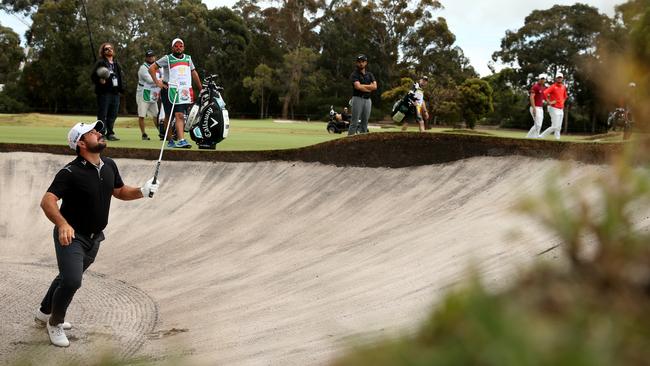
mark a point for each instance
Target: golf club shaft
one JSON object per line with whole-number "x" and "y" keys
{"x": 162, "y": 148}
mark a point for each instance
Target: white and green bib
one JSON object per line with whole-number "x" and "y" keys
{"x": 180, "y": 80}
{"x": 150, "y": 91}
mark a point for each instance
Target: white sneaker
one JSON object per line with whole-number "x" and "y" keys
{"x": 41, "y": 318}
{"x": 57, "y": 335}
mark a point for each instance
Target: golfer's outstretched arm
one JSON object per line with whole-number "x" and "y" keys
{"x": 51, "y": 210}
{"x": 127, "y": 193}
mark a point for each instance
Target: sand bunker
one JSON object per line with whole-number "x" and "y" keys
{"x": 276, "y": 263}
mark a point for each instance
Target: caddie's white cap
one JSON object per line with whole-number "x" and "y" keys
{"x": 177, "y": 40}
{"x": 80, "y": 129}
{"x": 541, "y": 76}
{"x": 559, "y": 75}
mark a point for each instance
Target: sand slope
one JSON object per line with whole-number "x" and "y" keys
{"x": 269, "y": 263}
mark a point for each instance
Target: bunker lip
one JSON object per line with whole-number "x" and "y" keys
{"x": 387, "y": 149}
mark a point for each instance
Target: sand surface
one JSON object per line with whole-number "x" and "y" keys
{"x": 269, "y": 263}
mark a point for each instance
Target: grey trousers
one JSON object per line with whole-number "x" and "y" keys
{"x": 73, "y": 260}
{"x": 360, "y": 113}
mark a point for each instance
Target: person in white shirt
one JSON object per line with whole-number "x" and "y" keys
{"x": 147, "y": 94}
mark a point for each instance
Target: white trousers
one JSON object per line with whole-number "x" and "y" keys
{"x": 538, "y": 118}
{"x": 557, "y": 115}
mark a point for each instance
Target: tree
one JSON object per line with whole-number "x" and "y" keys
{"x": 228, "y": 39}
{"x": 346, "y": 31}
{"x": 58, "y": 72}
{"x": 20, "y": 6}
{"x": 296, "y": 65}
{"x": 562, "y": 38}
{"x": 430, "y": 50}
{"x": 475, "y": 100}
{"x": 552, "y": 40}
{"x": 400, "y": 18}
{"x": 396, "y": 93}
{"x": 11, "y": 55}
{"x": 261, "y": 85}
{"x": 510, "y": 102}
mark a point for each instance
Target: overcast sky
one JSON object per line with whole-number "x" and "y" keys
{"x": 478, "y": 25}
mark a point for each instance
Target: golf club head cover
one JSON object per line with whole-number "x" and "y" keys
{"x": 150, "y": 187}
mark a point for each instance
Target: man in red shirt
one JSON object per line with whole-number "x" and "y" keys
{"x": 537, "y": 106}
{"x": 555, "y": 95}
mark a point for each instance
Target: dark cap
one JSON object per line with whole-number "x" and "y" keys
{"x": 149, "y": 53}
{"x": 362, "y": 58}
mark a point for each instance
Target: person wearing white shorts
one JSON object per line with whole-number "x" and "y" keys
{"x": 147, "y": 94}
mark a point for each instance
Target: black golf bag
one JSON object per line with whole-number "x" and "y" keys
{"x": 208, "y": 122}
{"x": 619, "y": 119}
{"x": 404, "y": 107}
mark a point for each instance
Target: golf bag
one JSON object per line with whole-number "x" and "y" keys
{"x": 619, "y": 119}
{"x": 404, "y": 107}
{"x": 208, "y": 122}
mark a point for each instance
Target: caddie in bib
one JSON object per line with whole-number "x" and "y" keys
{"x": 176, "y": 88}
{"x": 147, "y": 93}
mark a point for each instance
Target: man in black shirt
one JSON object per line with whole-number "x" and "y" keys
{"x": 85, "y": 185}
{"x": 363, "y": 82}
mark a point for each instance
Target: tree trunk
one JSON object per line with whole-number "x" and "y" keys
{"x": 268, "y": 101}
{"x": 285, "y": 106}
{"x": 262, "y": 105}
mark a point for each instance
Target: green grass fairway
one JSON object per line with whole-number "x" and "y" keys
{"x": 245, "y": 135}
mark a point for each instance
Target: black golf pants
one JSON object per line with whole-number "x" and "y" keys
{"x": 73, "y": 260}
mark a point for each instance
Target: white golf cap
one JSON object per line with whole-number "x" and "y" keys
{"x": 559, "y": 75}
{"x": 177, "y": 40}
{"x": 541, "y": 76}
{"x": 80, "y": 129}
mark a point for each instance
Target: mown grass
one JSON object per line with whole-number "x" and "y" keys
{"x": 245, "y": 135}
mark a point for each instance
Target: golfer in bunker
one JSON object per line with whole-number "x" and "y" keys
{"x": 85, "y": 186}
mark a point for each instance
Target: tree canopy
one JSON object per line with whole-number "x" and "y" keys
{"x": 294, "y": 57}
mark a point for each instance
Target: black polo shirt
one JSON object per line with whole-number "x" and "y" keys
{"x": 366, "y": 79}
{"x": 86, "y": 193}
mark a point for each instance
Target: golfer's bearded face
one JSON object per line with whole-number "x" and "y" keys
{"x": 95, "y": 142}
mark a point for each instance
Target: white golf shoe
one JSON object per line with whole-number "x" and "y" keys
{"x": 57, "y": 335}
{"x": 42, "y": 318}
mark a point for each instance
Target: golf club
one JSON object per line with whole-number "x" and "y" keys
{"x": 162, "y": 148}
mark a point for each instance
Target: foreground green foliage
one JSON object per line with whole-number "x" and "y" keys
{"x": 591, "y": 311}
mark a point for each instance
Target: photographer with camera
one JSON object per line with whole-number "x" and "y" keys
{"x": 109, "y": 83}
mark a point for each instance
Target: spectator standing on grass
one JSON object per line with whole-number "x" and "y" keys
{"x": 147, "y": 93}
{"x": 108, "y": 88}
{"x": 536, "y": 96}
{"x": 363, "y": 83}
{"x": 176, "y": 88}
{"x": 555, "y": 95}
{"x": 421, "y": 112}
